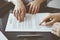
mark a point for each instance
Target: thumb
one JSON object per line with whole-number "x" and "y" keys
{"x": 51, "y": 22}
{"x": 28, "y": 4}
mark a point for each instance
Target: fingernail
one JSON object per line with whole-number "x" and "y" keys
{"x": 39, "y": 24}
{"x": 21, "y": 20}
{"x": 46, "y": 24}
{"x": 17, "y": 18}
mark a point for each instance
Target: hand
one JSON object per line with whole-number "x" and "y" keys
{"x": 54, "y": 18}
{"x": 20, "y": 11}
{"x": 34, "y": 6}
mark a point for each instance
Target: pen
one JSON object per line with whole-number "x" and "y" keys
{"x": 45, "y": 21}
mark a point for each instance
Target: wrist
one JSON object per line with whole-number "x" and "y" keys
{"x": 40, "y": 1}
{"x": 16, "y": 2}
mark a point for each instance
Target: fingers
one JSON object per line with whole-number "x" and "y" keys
{"x": 28, "y": 4}
{"x": 19, "y": 14}
{"x": 33, "y": 9}
{"x": 51, "y": 22}
{"x": 15, "y": 14}
{"x": 30, "y": 9}
{"x": 22, "y": 15}
{"x": 36, "y": 10}
{"x": 48, "y": 17}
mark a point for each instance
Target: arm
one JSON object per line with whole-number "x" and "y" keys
{"x": 16, "y": 2}
{"x": 40, "y": 1}
{"x": 35, "y": 5}
{"x": 19, "y": 10}
{"x": 54, "y": 17}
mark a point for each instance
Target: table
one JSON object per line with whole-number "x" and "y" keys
{"x": 13, "y": 35}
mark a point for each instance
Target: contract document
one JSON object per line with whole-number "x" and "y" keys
{"x": 30, "y": 23}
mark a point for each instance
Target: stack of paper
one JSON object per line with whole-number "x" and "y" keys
{"x": 30, "y": 24}
{"x": 2, "y": 37}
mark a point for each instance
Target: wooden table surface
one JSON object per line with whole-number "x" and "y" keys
{"x": 13, "y": 35}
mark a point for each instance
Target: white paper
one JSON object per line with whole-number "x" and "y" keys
{"x": 54, "y": 4}
{"x": 2, "y": 37}
{"x": 30, "y": 24}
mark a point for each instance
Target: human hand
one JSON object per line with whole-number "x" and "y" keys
{"x": 20, "y": 11}
{"x": 34, "y": 6}
{"x": 54, "y": 18}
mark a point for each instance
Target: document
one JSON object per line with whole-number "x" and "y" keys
{"x": 2, "y": 37}
{"x": 54, "y": 4}
{"x": 30, "y": 23}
